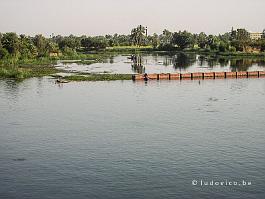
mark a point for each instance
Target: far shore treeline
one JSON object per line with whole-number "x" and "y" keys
{"x": 22, "y": 47}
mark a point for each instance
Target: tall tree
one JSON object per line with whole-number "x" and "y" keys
{"x": 98, "y": 42}
{"x": 138, "y": 35}
{"x": 70, "y": 42}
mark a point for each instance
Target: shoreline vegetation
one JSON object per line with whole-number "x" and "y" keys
{"x": 98, "y": 77}
{"x": 24, "y": 56}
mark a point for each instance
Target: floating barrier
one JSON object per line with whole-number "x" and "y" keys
{"x": 164, "y": 76}
{"x": 200, "y": 75}
{"x": 175, "y": 76}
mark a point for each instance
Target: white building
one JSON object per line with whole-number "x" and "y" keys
{"x": 255, "y": 35}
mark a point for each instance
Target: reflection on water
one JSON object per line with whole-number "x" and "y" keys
{"x": 166, "y": 63}
{"x": 183, "y": 61}
{"x": 242, "y": 64}
{"x": 137, "y": 63}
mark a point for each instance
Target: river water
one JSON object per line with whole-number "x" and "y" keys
{"x": 125, "y": 139}
{"x": 164, "y": 63}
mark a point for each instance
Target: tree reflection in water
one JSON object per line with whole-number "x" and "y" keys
{"x": 223, "y": 62}
{"x": 241, "y": 64}
{"x": 137, "y": 65}
{"x": 183, "y": 60}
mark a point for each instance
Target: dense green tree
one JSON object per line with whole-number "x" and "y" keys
{"x": 154, "y": 40}
{"x": 10, "y": 42}
{"x": 42, "y": 45}
{"x": 123, "y": 40}
{"x": 225, "y": 37}
{"x": 100, "y": 42}
{"x": 202, "y": 40}
{"x": 183, "y": 39}
{"x": 118, "y": 40}
{"x": 242, "y": 35}
{"x": 94, "y": 43}
{"x": 242, "y": 40}
{"x": 262, "y": 45}
{"x": 110, "y": 40}
{"x": 259, "y": 44}
{"x": 27, "y": 48}
{"x": 17, "y": 47}
{"x": 213, "y": 42}
{"x": 3, "y": 51}
{"x": 69, "y": 51}
{"x": 71, "y": 42}
{"x": 223, "y": 46}
{"x": 53, "y": 47}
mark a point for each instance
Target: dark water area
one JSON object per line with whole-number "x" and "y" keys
{"x": 125, "y": 139}
{"x": 166, "y": 63}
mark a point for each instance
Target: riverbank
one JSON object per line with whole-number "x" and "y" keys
{"x": 27, "y": 68}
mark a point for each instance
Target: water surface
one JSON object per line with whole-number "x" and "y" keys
{"x": 131, "y": 140}
{"x": 165, "y": 63}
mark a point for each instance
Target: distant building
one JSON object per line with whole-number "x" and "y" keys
{"x": 241, "y": 32}
{"x": 255, "y": 35}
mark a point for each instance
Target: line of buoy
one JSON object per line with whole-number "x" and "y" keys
{"x": 200, "y": 75}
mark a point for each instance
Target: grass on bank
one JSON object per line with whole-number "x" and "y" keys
{"x": 14, "y": 72}
{"x": 17, "y": 72}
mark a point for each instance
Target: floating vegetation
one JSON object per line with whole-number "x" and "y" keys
{"x": 99, "y": 77}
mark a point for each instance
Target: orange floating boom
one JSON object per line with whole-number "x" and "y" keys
{"x": 200, "y": 75}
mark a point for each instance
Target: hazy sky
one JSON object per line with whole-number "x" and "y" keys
{"x": 100, "y": 17}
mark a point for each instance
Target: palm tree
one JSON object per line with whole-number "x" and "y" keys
{"x": 138, "y": 35}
